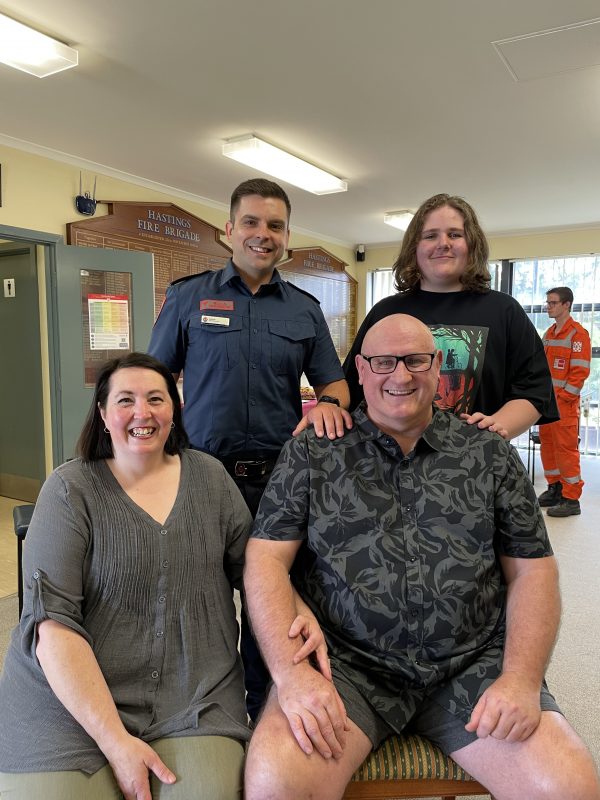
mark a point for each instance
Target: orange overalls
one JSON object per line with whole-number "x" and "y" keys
{"x": 568, "y": 352}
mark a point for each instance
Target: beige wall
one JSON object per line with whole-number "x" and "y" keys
{"x": 38, "y": 193}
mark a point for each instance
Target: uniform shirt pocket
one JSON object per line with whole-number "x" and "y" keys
{"x": 288, "y": 344}
{"x": 217, "y": 344}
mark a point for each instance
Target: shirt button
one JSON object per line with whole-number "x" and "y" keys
{"x": 36, "y": 574}
{"x": 253, "y": 366}
{"x": 254, "y": 330}
{"x": 162, "y": 633}
{"x": 163, "y": 532}
{"x": 413, "y": 558}
{"x": 154, "y": 673}
{"x": 252, "y": 402}
{"x": 162, "y": 598}
{"x": 165, "y": 563}
{"x": 407, "y": 508}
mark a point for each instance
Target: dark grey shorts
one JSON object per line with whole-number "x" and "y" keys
{"x": 444, "y": 728}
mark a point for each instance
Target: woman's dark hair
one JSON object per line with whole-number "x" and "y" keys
{"x": 476, "y": 276}
{"x": 93, "y": 443}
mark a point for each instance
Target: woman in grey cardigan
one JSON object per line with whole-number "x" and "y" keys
{"x": 123, "y": 678}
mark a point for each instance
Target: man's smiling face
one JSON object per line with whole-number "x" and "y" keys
{"x": 400, "y": 400}
{"x": 258, "y": 234}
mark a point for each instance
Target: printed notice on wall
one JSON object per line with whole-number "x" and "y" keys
{"x": 106, "y": 318}
{"x": 109, "y": 321}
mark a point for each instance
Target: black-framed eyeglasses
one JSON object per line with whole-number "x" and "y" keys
{"x": 414, "y": 362}
{"x": 553, "y": 302}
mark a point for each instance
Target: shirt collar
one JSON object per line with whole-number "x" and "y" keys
{"x": 229, "y": 274}
{"x": 432, "y": 437}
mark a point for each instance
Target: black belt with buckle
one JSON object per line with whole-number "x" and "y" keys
{"x": 251, "y": 468}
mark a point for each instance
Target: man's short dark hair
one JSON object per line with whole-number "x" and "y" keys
{"x": 263, "y": 188}
{"x": 93, "y": 443}
{"x": 565, "y": 295}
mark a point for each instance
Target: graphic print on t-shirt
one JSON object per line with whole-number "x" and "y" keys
{"x": 463, "y": 354}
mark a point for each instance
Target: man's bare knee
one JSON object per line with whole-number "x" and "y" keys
{"x": 278, "y": 769}
{"x": 552, "y": 764}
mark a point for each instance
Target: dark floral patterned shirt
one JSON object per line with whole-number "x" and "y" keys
{"x": 399, "y": 560}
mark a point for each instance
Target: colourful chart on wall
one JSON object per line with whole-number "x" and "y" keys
{"x": 109, "y": 322}
{"x": 106, "y": 322}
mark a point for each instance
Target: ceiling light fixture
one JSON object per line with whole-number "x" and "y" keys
{"x": 23, "y": 48}
{"x": 256, "y": 153}
{"x": 398, "y": 219}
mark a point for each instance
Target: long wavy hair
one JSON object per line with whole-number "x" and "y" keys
{"x": 476, "y": 277}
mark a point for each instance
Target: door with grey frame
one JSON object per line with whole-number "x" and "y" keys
{"x": 86, "y": 321}
{"x": 22, "y": 467}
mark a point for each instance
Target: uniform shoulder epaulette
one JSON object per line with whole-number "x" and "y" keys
{"x": 189, "y": 277}
{"x": 308, "y": 294}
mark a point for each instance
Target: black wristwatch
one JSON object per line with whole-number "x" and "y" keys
{"x": 327, "y": 398}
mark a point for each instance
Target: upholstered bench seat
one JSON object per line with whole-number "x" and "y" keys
{"x": 410, "y": 766}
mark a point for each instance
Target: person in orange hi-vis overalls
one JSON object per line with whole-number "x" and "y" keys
{"x": 568, "y": 350}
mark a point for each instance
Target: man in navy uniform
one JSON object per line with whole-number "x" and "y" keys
{"x": 243, "y": 337}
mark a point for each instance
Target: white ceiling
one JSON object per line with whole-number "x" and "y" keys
{"x": 403, "y": 98}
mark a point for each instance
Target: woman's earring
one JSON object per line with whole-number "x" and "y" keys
{"x": 172, "y": 424}
{"x": 106, "y": 429}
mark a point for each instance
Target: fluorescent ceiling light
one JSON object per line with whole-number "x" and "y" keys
{"x": 253, "y": 152}
{"x": 398, "y": 219}
{"x": 33, "y": 52}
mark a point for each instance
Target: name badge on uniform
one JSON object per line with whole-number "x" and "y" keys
{"x": 207, "y": 319}
{"x": 560, "y": 363}
{"x": 216, "y": 305}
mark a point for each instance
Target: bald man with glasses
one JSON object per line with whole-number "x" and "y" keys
{"x": 417, "y": 542}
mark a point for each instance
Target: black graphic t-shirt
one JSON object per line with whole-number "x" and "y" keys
{"x": 491, "y": 351}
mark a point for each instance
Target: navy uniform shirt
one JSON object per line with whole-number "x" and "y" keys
{"x": 242, "y": 357}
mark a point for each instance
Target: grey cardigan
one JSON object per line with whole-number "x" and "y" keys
{"x": 155, "y": 603}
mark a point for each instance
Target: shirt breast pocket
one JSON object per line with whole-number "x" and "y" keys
{"x": 216, "y": 345}
{"x": 288, "y": 343}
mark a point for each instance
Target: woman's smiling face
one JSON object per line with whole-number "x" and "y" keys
{"x": 138, "y": 412}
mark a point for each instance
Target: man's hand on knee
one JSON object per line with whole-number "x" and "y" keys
{"x": 315, "y": 712}
{"x": 509, "y": 709}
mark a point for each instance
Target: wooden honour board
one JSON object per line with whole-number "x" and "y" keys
{"x": 323, "y": 275}
{"x": 183, "y": 244}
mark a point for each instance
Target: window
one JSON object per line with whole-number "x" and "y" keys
{"x": 380, "y": 282}
{"x": 531, "y": 281}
